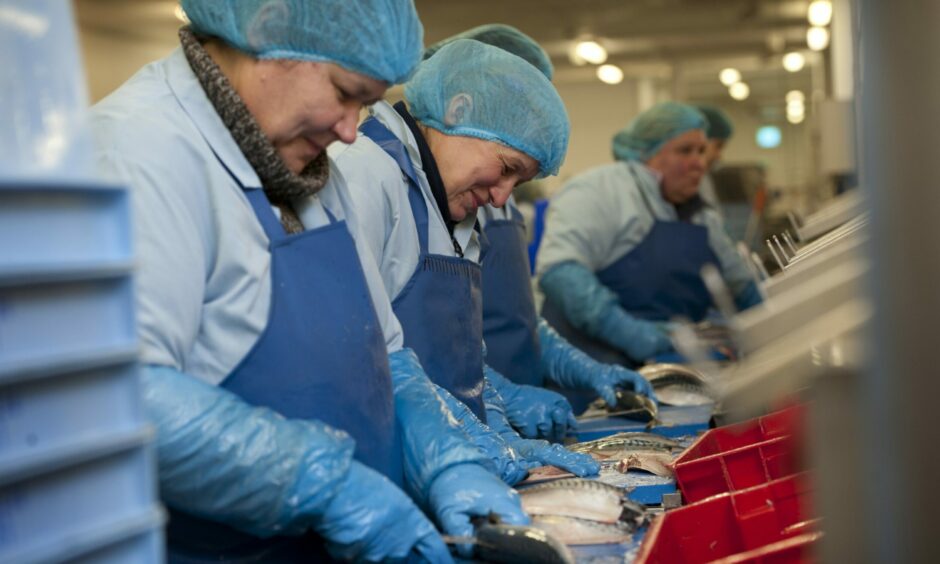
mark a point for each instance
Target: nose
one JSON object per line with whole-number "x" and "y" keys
{"x": 500, "y": 193}
{"x": 345, "y": 128}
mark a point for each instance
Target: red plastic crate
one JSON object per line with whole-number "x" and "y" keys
{"x": 740, "y": 456}
{"x": 744, "y": 526}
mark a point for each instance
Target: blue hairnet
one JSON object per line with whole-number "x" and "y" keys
{"x": 719, "y": 124}
{"x": 378, "y": 38}
{"x": 506, "y": 38}
{"x": 648, "y": 132}
{"x": 511, "y": 102}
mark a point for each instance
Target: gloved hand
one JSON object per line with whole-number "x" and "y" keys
{"x": 466, "y": 491}
{"x": 535, "y": 412}
{"x": 502, "y": 460}
{"x": 432, "y": 439}
{"x": 594, "y": 309}
{"x": 748, "y": 297}
{"x": 248, "y": 467}
{"x": 370, "y": 519}
{"x": 535, "y": 452}
{"x": 570, "y": 368}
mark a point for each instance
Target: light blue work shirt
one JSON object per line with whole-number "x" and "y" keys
{"x": 599, "y": 216}
{"x": 203, "y": 279}
{"x": 379, "y": 191}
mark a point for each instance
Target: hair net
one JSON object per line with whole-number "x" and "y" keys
{"x": 648, "y": 132}
{"x": 378, "y": 38}
{"x": 719, "y": 124}
{"x": 508, "y": 101}
{"x": 506, "y": 38}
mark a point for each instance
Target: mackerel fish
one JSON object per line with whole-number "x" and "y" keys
{"x": 516, "y": 544}
{"x": 582, "y": 499}
{"x": 621, "y": 444}
{"x": 676, "y": 384}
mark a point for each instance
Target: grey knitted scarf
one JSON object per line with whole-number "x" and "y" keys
{"x": 280, "y": 184}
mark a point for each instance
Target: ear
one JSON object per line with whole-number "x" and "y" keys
{"x": 459, "y": 109}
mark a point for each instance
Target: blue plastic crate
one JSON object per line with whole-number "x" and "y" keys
{"x": 66, "y": 503}
{"x": 43, "y": 413}
{"x": 41, "y": 321}
{"x": 54, "y": 227}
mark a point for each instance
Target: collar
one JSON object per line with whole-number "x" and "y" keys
{"x": 429, "y": 165}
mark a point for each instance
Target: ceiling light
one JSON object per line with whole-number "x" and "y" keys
{"x": 739, "y": 91}
{"x": 729, "y": 76}
{"x": 796, "y": 118}
{"x": 796, "y": 108}
{"x": 817, "y": 38}
{"x": 610, "y": 74}
{"x": 768, "y": 137}
{"x": 820, "y": 12}
{"x": 795, "y": 96}
{"x": 794, "y": 61}
{"x": 180, "y": 14}
{"x": 591, "y": 51}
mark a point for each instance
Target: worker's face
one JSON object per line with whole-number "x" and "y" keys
{"x": 304, "y": 106}
{"x": 713, "y": 149}
{"x": 681, "y": 161}
{"x": 477, "y": 172}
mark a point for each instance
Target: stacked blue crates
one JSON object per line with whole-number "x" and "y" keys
{"x": 77, "y": 467}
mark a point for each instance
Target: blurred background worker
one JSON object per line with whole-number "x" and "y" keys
{"x": 477, "y": 121}
{"x": 718, "y": 130}
{"x": 279, "y": 413}
{"x": 625, "y": 242}
{"x": 519, "y": 344}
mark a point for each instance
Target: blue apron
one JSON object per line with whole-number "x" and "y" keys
{"x": 440, "y": 308}
{"x": 509, "y": 318}
{"x": 657, "y": 280}
{"x": 322, "y": 356}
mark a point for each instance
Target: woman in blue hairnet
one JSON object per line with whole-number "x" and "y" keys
{"x": 718, "y": 130}
{"x": 625, "y": 243}
{"x": 288, "y": 413}
{"x": 521, "y": 345}
{"x": 476, "y": 121}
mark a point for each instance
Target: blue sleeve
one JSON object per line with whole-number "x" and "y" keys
{"x": 431, "y": 436}
{"x": 248, "y": 467}
{"x": 593, "y": 309}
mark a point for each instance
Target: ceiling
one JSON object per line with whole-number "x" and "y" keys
{"x": 682, "y": 42}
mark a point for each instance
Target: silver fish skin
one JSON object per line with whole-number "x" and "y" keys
{"x": 575, "y": 497}
{"x": 625, "y": 442}
{"x": 516, "y": 544}
{"x": 574, "y": 531}
{"x": 653, "y": 371}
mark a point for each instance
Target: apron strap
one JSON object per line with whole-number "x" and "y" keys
{"x": 393, "y": 147}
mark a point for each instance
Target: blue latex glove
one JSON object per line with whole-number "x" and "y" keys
{"x": 503, "y": 460}
{"x": 749, "y": 297}
{"x": 571, "y": 368}
{"x": 536, "y": 452}
{"x": 432, "y": 439}
{"x": 535, "y": 412}
{"x": 252, "y": 469}
{"x": 466, "y": 491}
{"x": 594, "y": 309}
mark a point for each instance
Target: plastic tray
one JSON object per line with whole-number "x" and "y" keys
{"x": 45, "y": 413}
{"x": 45, "y": 320}
{"x": 731, "y": 524}
{"x": 60, "y": 505}
{"x": 53, "y": 226}
{"x": 739, "y": 456}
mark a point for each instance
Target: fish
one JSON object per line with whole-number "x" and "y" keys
{"x": 621, "y": 444}
{"x": 574, "y": 531}
{"x": 659, "y": 463}
{"x": 576, "y": 497}
{"x": 544, "y": 474}
{"x": 679, "y": 385}
{"x": 633, "y": 406}
{"x": 517, "y": 544}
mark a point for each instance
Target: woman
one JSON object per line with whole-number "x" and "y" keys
{"x": 478, "y": 120}
{"x": 282, "y": 420}
{"x": 520, "y": 345}
{"x": 625, "y": 243}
